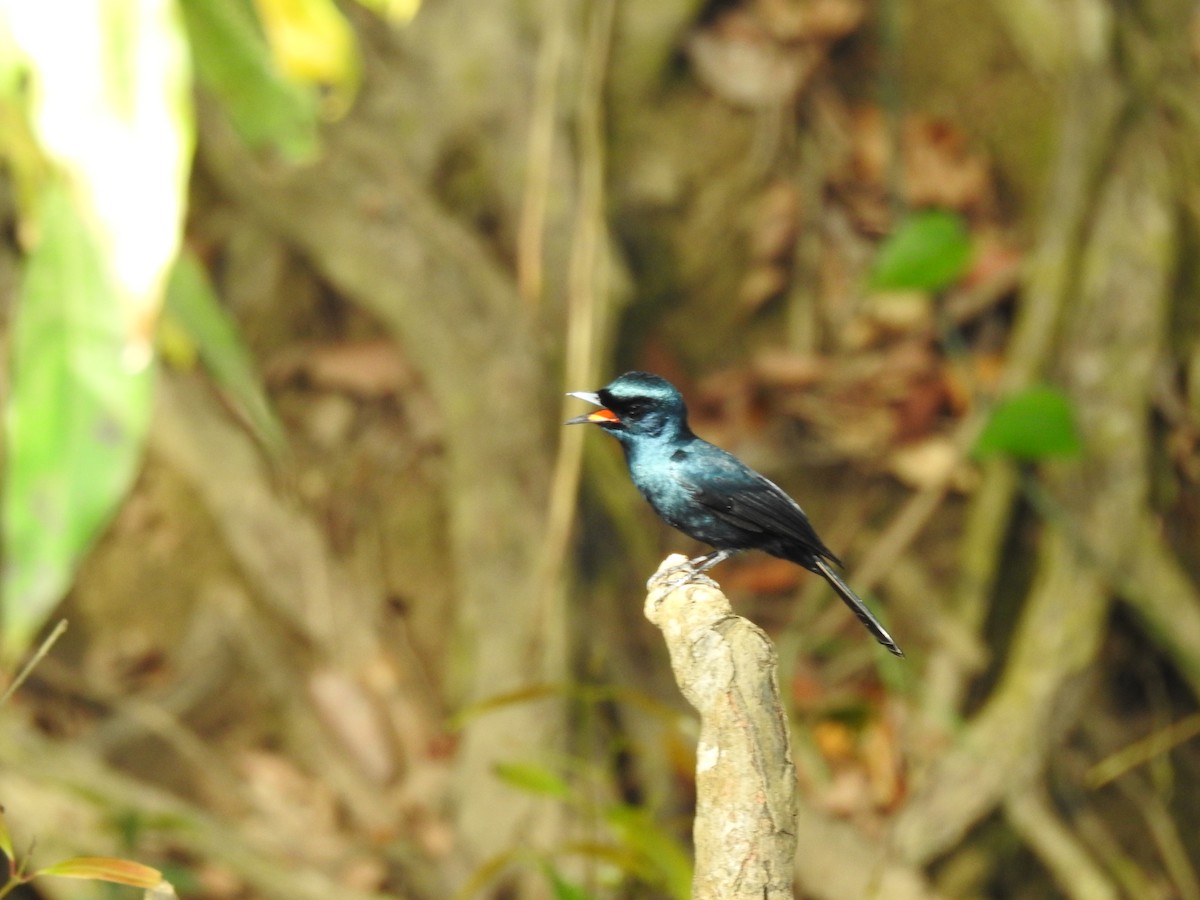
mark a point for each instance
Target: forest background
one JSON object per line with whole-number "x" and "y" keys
{"x": 292, "y": 292}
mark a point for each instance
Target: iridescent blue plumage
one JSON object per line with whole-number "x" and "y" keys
{"x": 707, "y": 493}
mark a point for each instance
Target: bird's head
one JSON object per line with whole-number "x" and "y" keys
{"x": 636, "y": 405}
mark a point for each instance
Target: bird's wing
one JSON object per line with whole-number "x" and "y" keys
{"x": 742, "y": 497}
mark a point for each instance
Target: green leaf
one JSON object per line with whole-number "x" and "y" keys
{"x": 533, "y": 778}
{"x": 1033, "y": 424}
{"x": 76, "y": 418}
{"x": 104, "y": 868}
{"x": 24, "y": 160}
{"x": 193, "y": 306}
{"x": 657, "y": 847}
{"x": 929, "y": 251}
{"x": 399, "y": 11}
{"x": 233, "y": 61}
{"x": 6, "y": 846}
{"x": 526, "y": 694}
{"x": 563, "y": 889}
{"x": 110, "y": 110}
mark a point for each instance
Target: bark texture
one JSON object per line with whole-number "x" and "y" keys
{"x": 745, "y": 828}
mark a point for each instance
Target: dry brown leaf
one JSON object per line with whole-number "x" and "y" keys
{"x": 941, "y": 169}
{"x": 353, "y": 716}
{"x": 810, "y": 20}
{"x": 899, "y": 313}
{"x": 922, "y": 408}
{"x": 291, "y": 809}
{"x": 783, "y": 369}
{"x": 776, "y": 221}
{"x": 848, "y": 793}
{"x": 736, "y": 58}
{"x": 871, "y": 144}
{"x": 836, "y": 742}
{"x": 882, "y": 760}
{"x": 927, "y": 463}
{"x": 372, "y": 368}
{"x": 993, "y": 258}
{"x": 218, "y": 881}
{"x": 761, "y": 284}
{"x": 422, "y": 800}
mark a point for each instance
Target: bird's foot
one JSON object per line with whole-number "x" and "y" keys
{"x": 677, "y": 576}
{"x": 690, "y": 571}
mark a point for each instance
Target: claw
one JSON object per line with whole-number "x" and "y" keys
{"x": 660, "y": 579}
{"x": 693, "y": 571}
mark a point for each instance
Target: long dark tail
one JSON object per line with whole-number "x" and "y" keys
{"x": 857, "y": 606}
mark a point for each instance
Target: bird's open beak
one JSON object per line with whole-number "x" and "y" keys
{"x": 599, "y": 417}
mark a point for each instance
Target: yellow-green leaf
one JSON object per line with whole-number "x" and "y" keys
{"x": 532, "y": 778}
{"x": 666, "y": 860}
{"x": 564, "y": 889}
{"x": 234, "y": 61}
{"x": 6, "y": 846}
{"x": 526, "y": 694}
{"x": 76, "y": 418}
{"x": 112, "y": 111}
{"x": 400, "y": 11}
{"x": 105, "y": 868}
{"x": 193, "y": 307}
{"x": 109, "y": 108}
{"x": 314, "y": 45}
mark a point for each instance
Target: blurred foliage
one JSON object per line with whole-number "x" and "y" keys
{"x": 564, "y": 889}
{"x": 195, "y": 323}
{"x": 929, "y": 250}
{"x": 1032, "y": 424}
{"x": 76, "y": 418}
{"x": 89, "y": 868}
{"x": 192, "y": 652}
{"x": 631, "y": 845}
{"x": 78, "y": 411}
{"x": 635, "y": 850}
{"x": 108, "y": 101}
{"x": 533, "y": 777}
{"x": 87, "y": 113}
{"x": 234, "y": 61}
{"x": 312, "y": 44}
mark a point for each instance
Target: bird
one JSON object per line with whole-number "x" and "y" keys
{"x": 706, "y": 492}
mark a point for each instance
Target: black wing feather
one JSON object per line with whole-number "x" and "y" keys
{"x": 742, "y": 497}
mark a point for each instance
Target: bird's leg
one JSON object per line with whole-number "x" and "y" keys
{"x": 708, "y": 560}
{"x": 691, "y": 568}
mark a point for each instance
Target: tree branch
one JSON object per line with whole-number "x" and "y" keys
{"x": 745, "y": 828}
